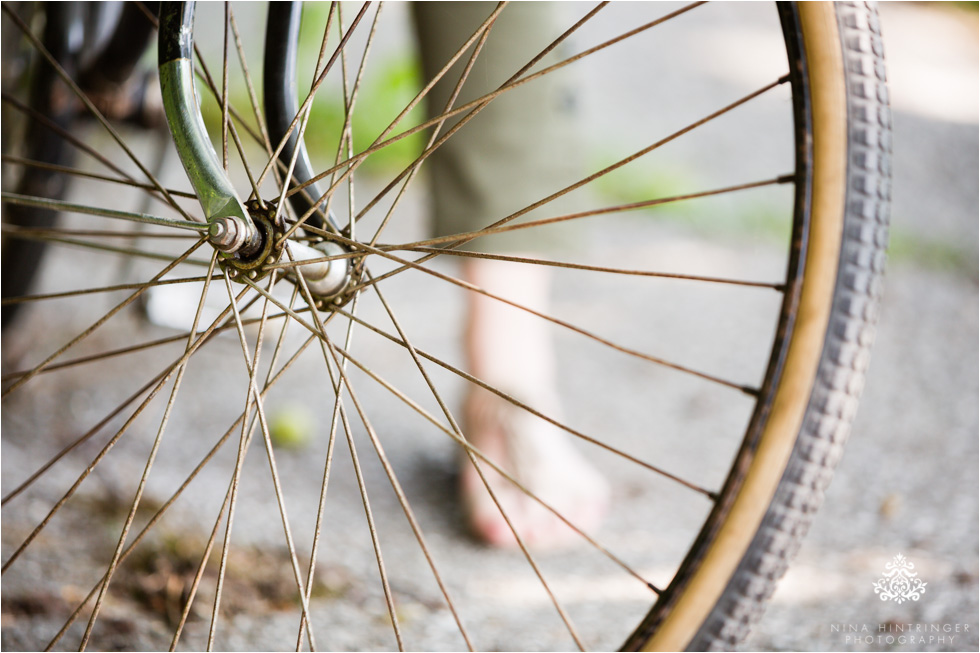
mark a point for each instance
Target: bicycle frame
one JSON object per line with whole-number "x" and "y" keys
{"x": 233, "y": 229}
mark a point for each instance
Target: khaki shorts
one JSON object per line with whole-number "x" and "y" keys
{"x": 520, "y": 148}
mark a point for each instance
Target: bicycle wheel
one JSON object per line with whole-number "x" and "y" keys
{"x": 715, "y": 273}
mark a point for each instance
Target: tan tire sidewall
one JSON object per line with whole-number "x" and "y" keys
{"x": 824, "y": 56}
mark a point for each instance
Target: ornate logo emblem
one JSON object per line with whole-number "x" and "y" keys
{"x": 899, "y": 582}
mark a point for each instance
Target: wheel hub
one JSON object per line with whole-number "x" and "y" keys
{"x": 247, "y": 251}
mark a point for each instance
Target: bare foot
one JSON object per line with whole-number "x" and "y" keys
{"x": 541, "y": 458}
{"x": 510, "y": 349}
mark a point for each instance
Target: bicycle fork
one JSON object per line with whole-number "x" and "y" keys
{"x": 248, "y": 235}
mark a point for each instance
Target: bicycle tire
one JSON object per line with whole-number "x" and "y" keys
{"x": 846, "y": 38}
{"x": 847, "y": 203}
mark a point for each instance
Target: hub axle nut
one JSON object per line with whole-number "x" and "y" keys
{"x": 225, "y": 234}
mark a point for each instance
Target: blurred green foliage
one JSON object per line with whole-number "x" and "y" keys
{"x": 763, "y": 216}
{"x": 378, "y": 102}
{"x": 389, "y": 83}
{"x": 940, "y": 256}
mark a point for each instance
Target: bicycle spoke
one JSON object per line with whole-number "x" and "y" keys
{"x": 177, "y": 493}
{"x": 350, "y": 100}
{"x": 67, "y": 170}
{"x": 475, "y": 453}
{"x": 352, "y": 163}
{"x": 621, "y": 208}
{"x": 320, "y": 259}
{"x": 473, "y": 457}
{"x": 224, "y": 90}
{"x": 49, "y": 124}
{"x": 80, "y": 440}
{"x": 589, "y": 268}
{"x": 317, "y": 69}
{"x": 471, "y": 378}
{"x": 346, "y": 136}
{"x": 307, "y": 103}
{"x": 348, "y": 432}
{"x": 463, "y": 284}
{"x": 181, "y": 369}
{"x": 374, "y": 439}
{"x": 582, "y": 436}
{"x": 470, "y": 449}
{"x": 622, "y": 162}
{"x": 98, "y": 323}
{"x": 339, "y": 409}
{"x": 131, "y": 216}
{"x": 470, "y": 452}
{"x": 253, "y": 367}
{"x": 269, "y": 382}
{"x": 192, "y": 591}
{"x": 88, "y": 291}
{"x": 134, "y": 348}
{"x": 86, "y": 436}
{"x": 380, "y": 142}
{"x": 263, "y": 137}
{"x": 327, "y": 464}
{"x": 515, "y": 81}
{"x": 292, "y": 163}
{"x": 362, "y": 488}
{"x": 372, "y": 528}
{"x": 415, "y": 167}
{"x": 235, "y": 478}
{"x": 18, "y": 232}
{"x": 115, "y": 438}
{"x": 252, "y": 97}
{"x": 92, "y": 108}
{"x": 39, "y": 233}
{"x": 590, "y": 178}
{"x": 459, "y": 239}
{"x": 435, "y": 142}
{"x": 236, "y": 475}
{"x": 70, "y": 138}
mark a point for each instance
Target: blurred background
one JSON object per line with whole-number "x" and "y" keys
{"x": 908, "y": 483}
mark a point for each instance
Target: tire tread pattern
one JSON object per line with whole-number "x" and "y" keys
{"x": 846, "y": 353}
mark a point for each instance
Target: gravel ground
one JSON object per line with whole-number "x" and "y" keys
{"x": 907, "y": 485}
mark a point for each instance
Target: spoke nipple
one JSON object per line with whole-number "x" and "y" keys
{"x": 752, "y": 392}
